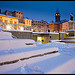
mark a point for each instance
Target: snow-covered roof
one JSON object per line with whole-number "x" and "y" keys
{"x": 70, "y": 37}
{"x": 8, "y": 16}
{"x": 62, "y": 32}
{"x": 45, "y": 32}
{"x": 71, "y": 21}
{"x": 71, "y": 30}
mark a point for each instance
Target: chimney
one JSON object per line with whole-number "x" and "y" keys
{"x": 0, "y": 11}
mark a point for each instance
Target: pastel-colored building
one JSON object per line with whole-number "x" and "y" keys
{"x": 54, "y": 27}
{"x": 28, "y": 22}
{"x": 8, "y": 22}
{"x": 65, "y": 26}
{"x": 39, "y": 26}
{"x": 71, "y": 25}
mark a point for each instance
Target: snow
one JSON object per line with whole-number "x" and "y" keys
{"x": 71, "y": 30}
{"x": 15, "y": 43}
{"x": 25, "y": 54}
{"x": 61, "y": 62}
{"x": 66, "y": 68}
{"x": 8, "y": 16}
{"x": 45, "y": 32}
{"x": 71, "y": 37}
{"x": 5, "y": 35}
{"x": 52, "y": 63}
{"x": 10, "y": 67}
{"x": 71, "y": 21}
{"x": 8, "y": 43}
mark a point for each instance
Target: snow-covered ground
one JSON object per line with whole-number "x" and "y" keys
{"x": 62, "y": 62}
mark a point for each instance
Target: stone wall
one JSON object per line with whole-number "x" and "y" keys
{"x": 54, "y": 36}
{"x": 20, "y": 34}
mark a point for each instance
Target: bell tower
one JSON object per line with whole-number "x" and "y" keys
{"x": 57, "y": 16}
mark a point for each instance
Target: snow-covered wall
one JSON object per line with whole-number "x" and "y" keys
{"x": 8, "y": 44}
{"x": 5, "y": 35}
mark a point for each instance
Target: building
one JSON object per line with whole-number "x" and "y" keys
{"x": 57, "y": 16}
{"x": 69, "y": 25}
{"x": 65, "y": 26}
{"x": 18, "y": 14}
{"x": 39, "y": 26}
{"x": 51, "y": 27}
{"x": 8, "y": 22}
{"x": 14, "y": 13}
{"x": 15, "y": 20}
{"x": 45, "y": 37}
{"x": 58, "y": 25}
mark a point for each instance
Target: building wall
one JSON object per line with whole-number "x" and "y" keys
{"x": 56, "y": 28}
{"x": 65, "y": 26}
{"x": 51, "y": 27}
{"x": 28, "y": 22}
{"x": 54, "y": 36}
{"x": 18, "y": 14}
{"x": 63, "y": 35}
{"x": 39, "y": 26}
{"x": 8, "y": 13}
{"x": 8, "y": 19}
{"x": 71, "y": 25}
{"x": 44, "y": 38}
{"x": 7, "y": 22}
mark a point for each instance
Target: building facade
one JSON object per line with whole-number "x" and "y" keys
{"x": 8, "y": 22}
{"x": 39, "y": 26}
{"x": 65, "y": 26}
{"x": 14, "y": 20}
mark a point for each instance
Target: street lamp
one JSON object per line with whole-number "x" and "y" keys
{"x": 8, "y": 27}
{"x": 21, "y": 28}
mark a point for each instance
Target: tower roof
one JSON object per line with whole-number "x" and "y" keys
{"x": 57, "y": 11}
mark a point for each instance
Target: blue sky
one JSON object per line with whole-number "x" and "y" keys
{"x": 38, "y": 10}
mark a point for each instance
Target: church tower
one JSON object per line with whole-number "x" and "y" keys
{"x": 57, "y": 16}
{"x": 71, "y": 17}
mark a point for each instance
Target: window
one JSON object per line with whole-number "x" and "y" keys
{"x": 0, "y": 20}
{"x": 0, "y": 17}
{"x": 50, "y": 36}
{"x": 19, "y": 16}
{"x": 15, "y": 22}
{"x": 11, "y": 22}
{"x": 5, "y": 21}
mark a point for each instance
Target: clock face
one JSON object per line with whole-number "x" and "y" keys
{"x": 57, "y": 14}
